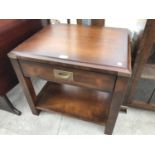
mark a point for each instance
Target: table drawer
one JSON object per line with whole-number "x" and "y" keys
{"x": 67, "y": 75}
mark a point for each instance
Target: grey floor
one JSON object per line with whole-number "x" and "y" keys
{"x": 134, "y": 122}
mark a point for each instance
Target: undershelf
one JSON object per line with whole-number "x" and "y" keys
{"x": 80, "y": 102}
{"x": 142, "y": 105}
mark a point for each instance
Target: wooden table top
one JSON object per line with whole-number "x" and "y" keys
{"x": 104, "y": 48}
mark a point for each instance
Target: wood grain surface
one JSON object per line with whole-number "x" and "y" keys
{"x": 88, "y": 79}
{"x": 105, "y": 48}
{"x": 80, "y": 102}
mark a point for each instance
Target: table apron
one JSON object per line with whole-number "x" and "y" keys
{"x": 66, "y": 75}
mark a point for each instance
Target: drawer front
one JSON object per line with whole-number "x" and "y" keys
{"x": 67, "y": 75}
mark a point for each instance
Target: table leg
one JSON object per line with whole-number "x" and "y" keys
{"x": 5, "y": 104}
{"x": 117, "y": 99}
{"x": 26, "y": 85}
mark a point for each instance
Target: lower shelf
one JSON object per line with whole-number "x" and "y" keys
{"x": 142, "y": 105}
{"x": 83, "y": 103}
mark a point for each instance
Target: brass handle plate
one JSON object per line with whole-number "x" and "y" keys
{"x": 64, "y": 75}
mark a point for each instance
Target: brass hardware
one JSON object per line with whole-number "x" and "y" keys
{"x": 61, "y": 74}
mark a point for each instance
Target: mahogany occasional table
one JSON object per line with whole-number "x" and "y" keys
{"x": 87, "y": 70}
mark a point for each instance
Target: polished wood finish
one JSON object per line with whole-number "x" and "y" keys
{"x": 81, "y": 56}
{"x": 80, "y": 102}
{"x": 143, "y": 54}
{"x": 12, "y": 33}
{"x": 81, "y": 78}
{"x": 85, "y": 45}
{"x": 27, "y": 86}
{"x": 141, "y": 69}
{"x": 142, "y": 105}
{"x": 119, "y": 93}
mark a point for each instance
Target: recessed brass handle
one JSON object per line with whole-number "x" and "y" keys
{"x": 61, "y": 74}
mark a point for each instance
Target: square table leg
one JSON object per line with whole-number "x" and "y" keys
{"x": 26, "y": 85}
{"x": 117, "y": 100}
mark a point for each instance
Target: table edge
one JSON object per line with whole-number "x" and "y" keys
{"x": 125, "y": 72}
